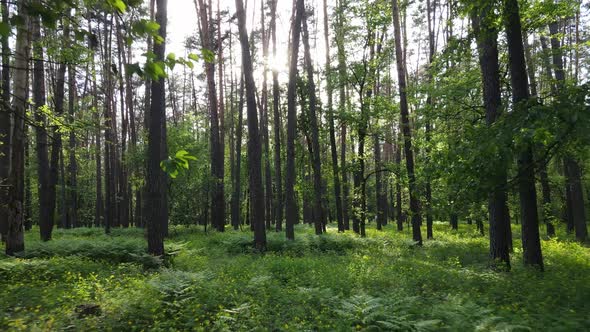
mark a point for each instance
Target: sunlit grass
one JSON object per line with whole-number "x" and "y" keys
{"x": 214, "y": 281}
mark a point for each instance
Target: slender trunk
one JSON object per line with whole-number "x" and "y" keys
{"x": 526, "y": 185}
{"x": 406, "y": 130}
{"x": 45, "y": 217}
{"x": 5, "y": 128}
{"x": 99, "y": 206}
{"x": 330, "y": 112}
{"x": 217, "y": 197}
{"x": 342, "y": 107}
{"x": 254, "y": 146}
{"x": 379, "y": 190}
{"x": 431, "y": 13}
{"x": 292, "y": 213}
{"x": 58, "y": 100}
{"x": 122, "y": 192}
{"x": 544, "y": 179}
{"x": 315, "y": 136}
{"x": 236, "y": 201}
{"x": 264, "y": 121}
{"x": 72, "y": 166}
{"x": 278, "y": 199}
{"x": 398, "y": 186}
{"x": 575, "y": 206}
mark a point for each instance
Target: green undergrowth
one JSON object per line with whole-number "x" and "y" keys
{"x": 85, "y": 280}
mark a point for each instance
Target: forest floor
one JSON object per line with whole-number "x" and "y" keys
{"x": 84, "y": 280}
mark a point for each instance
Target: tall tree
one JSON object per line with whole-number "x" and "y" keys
{"x": 526, "y": 174}
{"x": 217, "y": 197}
{"x": 45, "y": 217}
{"x": 156, "y": 204}
{"x": 254, "y": 146}
{"x": 72, "y": 199}
{"x": 15, "y": 241}
{"x": 277, "y": 124}
{"x": 5, "y": 128}
{"x": 342, "y": 82}
{"x": 576, "y": 210}
{"x": 330, "y": 113}
{"x": 431, "y": 19}
{"x": 264, "y": 120}
{"x": 315, "y": 135}
{"x": 292, "y": 213}
{"x": 486, "y": 37}
{"x": 405, "y": 126}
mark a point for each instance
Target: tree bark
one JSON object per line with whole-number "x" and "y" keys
{"x": 431, "y": 13}
{"x": 576, "y": 210}
{"x": 526, "y": 183}
{"x": 292, "y": 213}
{"x": 315, "y": 135}
{"x": 406, "y": 130}
{"x": 278, "y": 199}
{"x": 15, "y": 241}
{"x": 486, "y": 38}
{"x": 330, "y": 112}
{"x": 157, "y": 207}
{"x": 72, "y": 202}
{"x": 254, "y": 146}
{"x": 5, "y": 128}
{"x": 45, "y": 217}
{"x": 217, "y": 197}
{"x": 264, "y": 122}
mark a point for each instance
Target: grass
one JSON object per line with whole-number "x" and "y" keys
{"x": 213, "y": 281}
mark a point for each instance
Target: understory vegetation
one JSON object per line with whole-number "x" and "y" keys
{"x": 86, "y": 280}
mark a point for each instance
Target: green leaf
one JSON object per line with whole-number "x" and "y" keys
{"x": 194, "y": 57}
{"x": 118, "y": 5}
{"x": 4, "y": 29}
{"x": 208, "y": 55}
{"x": 155, "y": 69}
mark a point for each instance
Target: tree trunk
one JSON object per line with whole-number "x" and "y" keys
{"x": 398, "y": 186}
{"x": 486, "y": 38}
{"x": 236, "y": 202}
{"x": 156, "y": 203}
{"x": 45, "y": 217}
{"x": 278, "y": 199}
{"x": 15, "y": 241}
{"x": 575, "y": 206}
{"x": 330, "y": 111}
{"x": 72, "y": 202}
{"x": 315, "y": 135}
{"x": 264, "y": 122}
{"x": 5, "y": 129}
{"x": 342, "y": 81}
{"x": 526, "y": 183}
{"x": 454, "y": 221}
{"x": 217, "y": 197}
{"x": 379, "y": 190}
{"x": 406, "y": 130}
{"x": 545, "y": 189}
{"x": 254, "y": 146}
{"x": 431, "y": 13}
{"x": 292, "y": 213}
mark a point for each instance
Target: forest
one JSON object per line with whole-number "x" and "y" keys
{"x": 303, "y": 165}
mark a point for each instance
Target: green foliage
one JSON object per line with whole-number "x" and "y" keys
{"x": 174, "y": 164}
{"x": 331, "y": 282}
